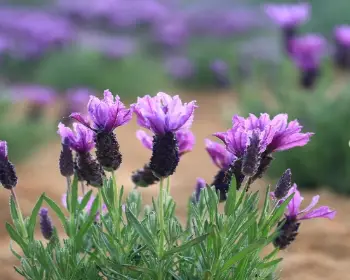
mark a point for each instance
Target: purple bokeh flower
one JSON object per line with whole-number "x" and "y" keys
{"x": 342, "y": 46}
{"x": 288, "y": 15}
{"x": 307, "y": 51}
{"x": 77, "y": 98}
{"x": 172, "y": 32}
{"x": 219, "y": 155}
{"x": 179, "y": 67}
{"x": 164, "y": 113}
{"x": 221, "y": 72}
{"x": 106, "y": 114}
{"x": 185, "y": 140}
{"x": 81, "y": 140}
{"x": 275, "y": 135}
{"x": 35, "y": 94}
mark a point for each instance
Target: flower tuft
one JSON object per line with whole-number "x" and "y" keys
{"x": 144, "y": 177}
{"x": 45, "y": 223}
{"x": 251, "y": 157}
{"x": 107, "y": 151}
{"x": 284, "y": 184}
{"x": 8, "y": 176}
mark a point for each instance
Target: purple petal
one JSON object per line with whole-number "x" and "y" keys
{"x": 313, "y": 203}
{"x": 79, "y": 118}
{"x": 186, "y": 141}
{"x": 145, "y": 139}
{"x": 294, "y": 204}
{"x": 321, "y": 212}
{"x": 65, "y": 132}
{"x": 219, "y": 155}
{"x": 286, "y": 142}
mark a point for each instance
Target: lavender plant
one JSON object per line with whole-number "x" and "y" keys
{"x": 109, "y": 236}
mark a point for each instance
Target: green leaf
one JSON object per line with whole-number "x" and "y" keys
{"x": 269, "y": 264}
{"x": 58, "y": 212}
{"x": 266, "y": 206}
{"x": 141, "y": 229}
{"x": 231, "y": 198}
{"x": 242, "y": 254}
{"x": 13, "y": 210}
{"x": 33, "y": 217}
{"x": 15, "y": 236}
{"x": 19, "y": 257}
{"x": 185, "y": 246}
{"x": 85, "y": 201}
{"x": 144, "y": 270}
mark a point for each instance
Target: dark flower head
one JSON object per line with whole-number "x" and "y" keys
{"x": 252, "y": 156}
{"x": 106, "y": 114}
{"x": 107, "y": 151}
{"x": 82, "y": 140}
{"x": 199, "y": 187}
{"x": 45, "y": 223}
{"x": 8, "y": 177}
{"x": 219, "y": 155}
{"x": 294, "y": 215}
{"x": 307, "y": 51}
{"x": 144, "y": 177}
{"x": 163, "y": 113}
{"x": 89, "y": 170}
{"x": 275, "y": 135}
{"x": 288, "y": 15}
{"x": 284, "y": 184}
{"x": 185, "y": 140}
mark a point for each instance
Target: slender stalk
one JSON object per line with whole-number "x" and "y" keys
{"x": 161, "y": 217}
{"x": 20, "y": 216}
{"x": 168, "y": 185}
{"x": 82, "y": 188}
{"x": 116, "y": 204}
{"x": 69, "y": 181}
{"x": 161, "y": 227}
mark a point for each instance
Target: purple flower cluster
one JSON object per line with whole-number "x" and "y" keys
{"x": 342, "y": 46}
{"x": 290, "y": 224}
{"x": 34, "y": 31}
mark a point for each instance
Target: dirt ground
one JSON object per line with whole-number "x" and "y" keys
{"x": 321, "y": 251}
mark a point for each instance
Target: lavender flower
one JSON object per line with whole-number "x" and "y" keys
{"x": 8, "y": 177}
{"x": 274, "y": 135}
{"x": 45, "y": 223}
{"x": 164, "y": 116}
{"x": 223, "y": 160}
{"x": 290, "y": 225}
{"x": 106, "y": 114}
{"x": 82, "y": 141}
{"x": 199, "y": 187}
{"x": 220, "y": 71}
{"x": 173, "y": 32}
{"x": 307, "y": 52}
{"x": 288, "y": 17}
{"x": 284, "y": 184}
{"x": 342, "y": 44}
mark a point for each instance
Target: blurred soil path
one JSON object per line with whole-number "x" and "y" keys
{"x": 322, "y": 250}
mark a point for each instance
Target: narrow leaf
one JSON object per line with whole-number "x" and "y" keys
{"x": 13, "y": 210}
{"x": 141, "y": 230}
{"x": 269, "y": 264}
{"x": 85, "y": 201}
{"x": 231, "y": 198}
{"x": 185, "y": 246}
{"x": 15, "y": 236}
{"x": 33, "y": 217}
{"x": 74, "y": 195}
{"x": 242, "y": 254}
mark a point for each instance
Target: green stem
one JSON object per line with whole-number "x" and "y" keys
{"x": 116, "y": 204}
{"x": 161, "y": 218}
{"x": 20, "y": 216}
{"x": 68, "y": 192}
{"x": 161, "y": 227}
{"x": 168, "y": 185}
